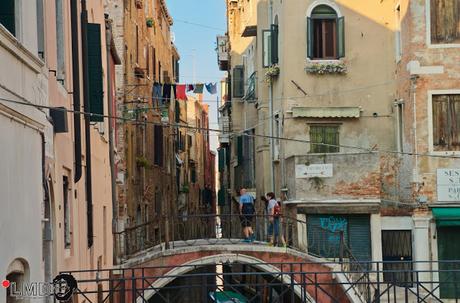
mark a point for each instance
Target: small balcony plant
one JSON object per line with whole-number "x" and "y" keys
{"x": 141, "y": 161}
{"x": 326, "y": 68}
{"x": 271, "y": 72}
{"x": 149, "y": 22}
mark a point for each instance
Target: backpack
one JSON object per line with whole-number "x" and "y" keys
{"x": 277, "y": 210}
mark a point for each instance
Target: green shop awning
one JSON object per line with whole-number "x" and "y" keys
{"x": 446, "y": 216}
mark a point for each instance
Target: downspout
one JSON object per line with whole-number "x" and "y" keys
{"x": 270, "y": 108}
{"x": 47, "y": 233}
{"x": 108, "y": 38}
{"x": 89, "y": 191}
{"x": 415, "y": 172}
{"x": 76, "y": 89}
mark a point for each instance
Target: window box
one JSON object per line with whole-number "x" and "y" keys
{"x": 326, "y": 68}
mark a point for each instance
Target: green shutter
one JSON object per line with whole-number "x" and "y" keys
{"x": 360, "y": 234}
{"x": 309, "y": 38}
{"x": 96, "y": 91}
{"x": 7, "y": 18}
{"x": 177, "y": 111}
{"x": 340, "y": 37}
{"x": 239, "y": 149}
{"x": 274, "y": 44}
{"x": 238, "y": 81}
{"x": 221, "y": 196}
{"x": 323, "y": 234}
{"x": 221, "y": 159}
{"x": 449, "y": 249}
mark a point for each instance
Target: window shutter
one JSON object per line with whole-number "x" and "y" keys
{"x": 239, "y": 149}
{"x": 222, "y": 159}
{"x": 238, "y": 81}
{"x": 7, "y": 15}
{"x": 96, "y": 95}
{"x": 309, "y": 38}
{"x": 266, "y": 48}
{"x": 274, "y": 44}
{"x": 340, "y": 37}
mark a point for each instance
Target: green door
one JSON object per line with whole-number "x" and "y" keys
{"x": 449, "y": 249}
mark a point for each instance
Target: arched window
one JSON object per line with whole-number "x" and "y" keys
{"x": 325, "y": 37}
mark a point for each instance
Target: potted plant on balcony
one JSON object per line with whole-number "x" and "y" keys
{"x": 141, "y": 161}
{"x": 271, "y": 72}
{"x": 149, "y": 22}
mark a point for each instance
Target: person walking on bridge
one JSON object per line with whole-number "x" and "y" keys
{"x": 247, "y": 211}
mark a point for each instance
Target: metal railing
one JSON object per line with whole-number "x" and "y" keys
{"x": 173, "y": 232}
{"x": 281, "y": 282}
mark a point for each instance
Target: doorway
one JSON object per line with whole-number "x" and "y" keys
{"x": 397, "y": 257}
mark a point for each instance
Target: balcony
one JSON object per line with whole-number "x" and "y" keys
{"x": 334, "y": 179}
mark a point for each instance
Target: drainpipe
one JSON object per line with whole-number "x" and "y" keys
{"x": 415, "y": 176}
{"x": 89, "y": 191}
{"x": 76, "y": 89}
{"x": 270, "y": 108}
{"x": 108, "y": 38}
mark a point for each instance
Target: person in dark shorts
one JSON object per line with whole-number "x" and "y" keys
{"x": 247, "y": 212}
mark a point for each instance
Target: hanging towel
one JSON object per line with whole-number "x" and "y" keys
{"x": 211, "y": 88}
{"x": 156, "y": 93}
{"x": 166, "y": 93}
{"x": 180, "y": 89}
{"x": 190, "y": 87}
{"x": 198, "y": 88}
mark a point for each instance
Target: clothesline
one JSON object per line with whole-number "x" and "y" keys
{"x": 164, "y": 91}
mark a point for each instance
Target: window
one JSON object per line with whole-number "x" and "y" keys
{"x": 60, "y": 41}
{"x": 324, "y": 139}
{"x": 67, "y": 213}
{"x": 238, "y": 81}
{"x": 8, "y": 16}
{"x": 326, "y": 34}
{"x": 446, "y": 122}
{"x": 158, "y": 134}
{"x": 445, "y": 20}
{"x": 266, "y": 48}
{"x": 95, "y": 79}
{"x": 40, "y": 29}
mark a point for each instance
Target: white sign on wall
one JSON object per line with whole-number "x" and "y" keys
{"x": 222, "y": 48}
{"x": 448, "y": 184}
{"x": 313, "y": 170}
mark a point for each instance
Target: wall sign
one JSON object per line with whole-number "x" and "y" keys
{"x": 222, "y": 48}
{"x": 313, "y": 170}
{"x": 448, "y": 184}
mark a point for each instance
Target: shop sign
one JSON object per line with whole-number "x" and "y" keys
{"x": 448, "y": 184}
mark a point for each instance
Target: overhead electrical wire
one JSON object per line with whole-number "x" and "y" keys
{"x": 175, "y": 125}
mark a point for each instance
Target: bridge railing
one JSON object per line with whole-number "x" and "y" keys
{"x": 283, "y": 282}
{"x": 173, "y": 232}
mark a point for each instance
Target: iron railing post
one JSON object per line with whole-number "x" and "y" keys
{"x": 292, "y": 284}
{"x": 133, "y": 286}
{"x": 378, "y": 283}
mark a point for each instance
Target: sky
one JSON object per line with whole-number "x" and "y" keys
{"x": 196, "y": 25}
